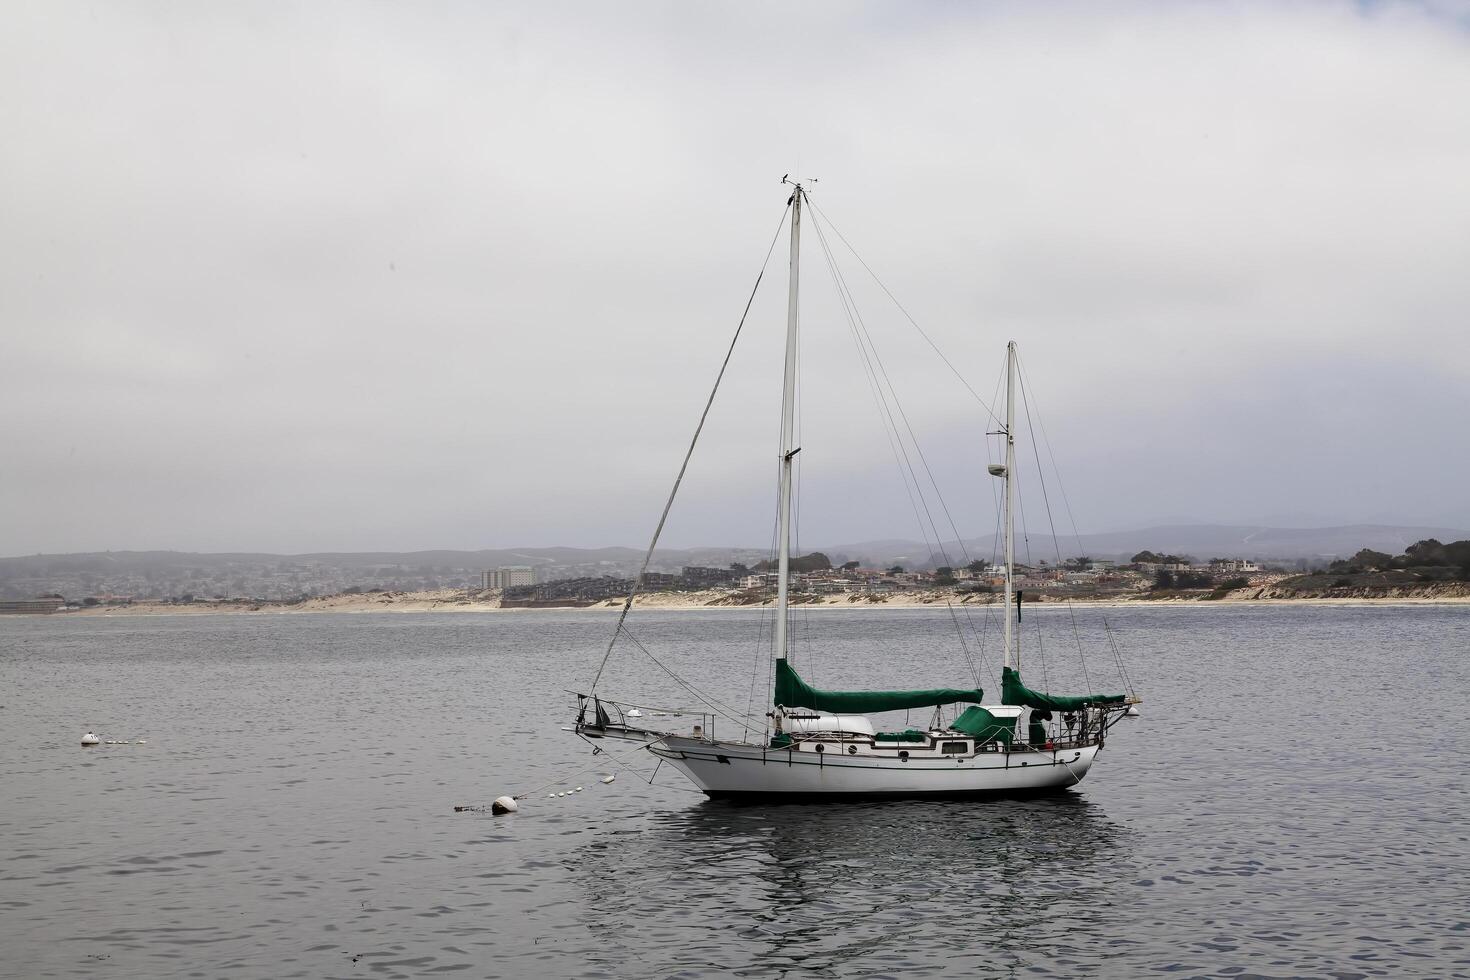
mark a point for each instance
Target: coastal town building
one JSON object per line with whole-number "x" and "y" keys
{"x": 699, "y": 577}
{"x": 1153, "y": 567}
{"x": 1233, "y": 565}
{"x": 505, "y": 578}
{"x": 567, "y": 592}
{"x": 759, "y": 580}
{"x": 32, "y": 606}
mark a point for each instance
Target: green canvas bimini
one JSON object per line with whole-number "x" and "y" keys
{"x": 985, "y": 726}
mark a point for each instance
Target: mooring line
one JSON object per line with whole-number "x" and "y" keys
{"x": 565, "y": 777}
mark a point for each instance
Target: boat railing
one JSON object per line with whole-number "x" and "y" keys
{"x": 1054, "y": 744}
{"x": 632, "y": 714}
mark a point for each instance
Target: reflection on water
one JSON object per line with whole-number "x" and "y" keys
{"x": 817, "y": 888}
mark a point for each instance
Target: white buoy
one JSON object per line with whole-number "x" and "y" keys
{"x": 607, "y": 779}
{"x": 90, "y": 739}
{"x": 504, "y": 804}
{"x": 1132, "y": 711}
{"x": 551, "y": 796}
{"x": 561, "y": 794}
{"x": 577, "y": 790}
{"x": 634, "y": 713}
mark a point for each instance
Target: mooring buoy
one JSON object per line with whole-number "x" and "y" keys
{"x": 504, "y": 804}
{"x": 90, "y": 739}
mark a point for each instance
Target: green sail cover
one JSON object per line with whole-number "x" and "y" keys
{"x": 793, "y": 692}
{"x": 907, "y": 735}
{"x": 1012, "y": 691}
{"x": 985, "y": 726}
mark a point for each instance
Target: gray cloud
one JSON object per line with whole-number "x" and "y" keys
{"x": 349, "y": 277}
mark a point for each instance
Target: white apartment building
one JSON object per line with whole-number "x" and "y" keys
{"x": 1235, "y": 565}
{"x": 504, "y": 578}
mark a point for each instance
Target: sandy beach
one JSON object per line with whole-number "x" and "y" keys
{"x": 458, "y": 601}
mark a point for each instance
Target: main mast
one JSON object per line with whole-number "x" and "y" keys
{"x": 788, "y": 428}
{"x": 1010, "y": 485}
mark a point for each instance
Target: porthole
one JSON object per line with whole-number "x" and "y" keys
{"x": 821, "y": 747}
{"x": 904, "y": 755}
{"x": 852, "y": 750}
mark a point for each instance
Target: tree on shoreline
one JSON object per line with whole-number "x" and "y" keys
{"x": 1426, "y": 558}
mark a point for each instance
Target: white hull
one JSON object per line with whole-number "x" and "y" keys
{"x": 738, "y": 769}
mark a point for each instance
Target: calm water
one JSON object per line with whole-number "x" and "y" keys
{"x": 1293, "y": 803}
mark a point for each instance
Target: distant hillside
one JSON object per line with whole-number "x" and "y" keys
{"x": 1200, "y": 540}
{"x": 170, "y": 574}
{"x": 245, "y": 574}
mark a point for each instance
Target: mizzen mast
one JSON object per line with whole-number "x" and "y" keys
{"x": 788, "y": 429}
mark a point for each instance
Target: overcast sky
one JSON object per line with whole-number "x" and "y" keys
{"x": 400, "y": 276}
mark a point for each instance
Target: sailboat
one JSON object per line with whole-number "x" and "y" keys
{"x": 821, "y": 744}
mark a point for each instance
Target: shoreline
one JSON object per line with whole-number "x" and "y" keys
{"x": 458, "y": 602}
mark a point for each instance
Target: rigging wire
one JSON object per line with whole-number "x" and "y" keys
{"x": 1118, "y": 658}
{"x": 870, "y": 357}
{"x": 723, "y": 710}
{"x": 1077, "y": 537}
{"x": 937, "y": 544}
{"x": 674, "y": 491}
{"x": 954, "y": 370}
{"x": 989, "y": 618}
{"x": 804, "y": 635}
{"x": 874, "y": 369}
{"x": 997, "y": 531}
{"x": 890, "y": 430}
{"x": 1051, "y": 524}
{"x": 1026, "y": 548}
{"x": 760, "y": 646}
{"x": 997, "y": 504}
{"x": 877, "y": 359}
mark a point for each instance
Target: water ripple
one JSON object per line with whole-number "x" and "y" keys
{"x": 290, "y": 816}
